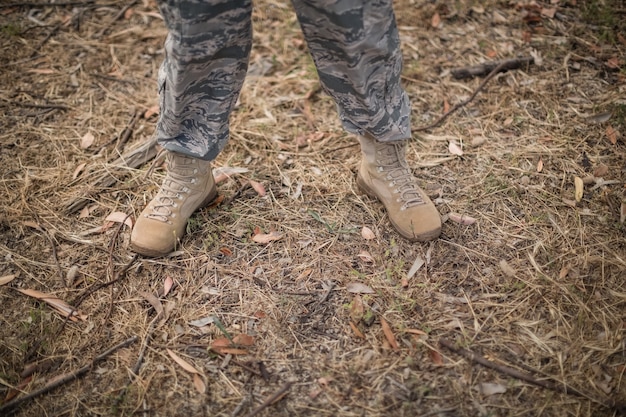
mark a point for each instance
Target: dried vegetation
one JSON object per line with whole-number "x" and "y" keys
{"x": 332, "y": 318}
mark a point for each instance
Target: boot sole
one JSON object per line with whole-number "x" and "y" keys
{"x": 423, "y": 237}
{"x": 151, "y": 253}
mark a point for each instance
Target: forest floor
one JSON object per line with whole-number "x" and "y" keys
{"x": 293, "y": 293}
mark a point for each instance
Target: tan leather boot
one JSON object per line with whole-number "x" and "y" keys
{"x": 189, "y": 185}
{"x": 385, "y": 174}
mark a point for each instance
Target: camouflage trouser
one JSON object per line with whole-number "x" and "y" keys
{"x": 354, "y": 44}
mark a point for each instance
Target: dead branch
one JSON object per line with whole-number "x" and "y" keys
{"x": 271, "y": 399}
{"x": 45, "y": 40}
{"x": 132, "y": 159}
{"x": 142, "y": 351}
{"x": 34, "y": 105}
{"x": 507, "y": 370}
{"x": 486, "y": 68}
{"x": 494, "y": 68}
{"x": 55, "y": 257}
{"x": 116, "y": 18}
{"x": 35, "y": 5}
{"x": 57, "y": 382}
{"x": 457, "y": 106}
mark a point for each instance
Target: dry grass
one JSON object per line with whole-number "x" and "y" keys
{"x": 536, "y": 283}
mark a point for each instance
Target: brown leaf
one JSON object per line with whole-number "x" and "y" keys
{"x": 220, "y": 342}
{"x": 416, "y": 331}
{"x": 548, "y": 12}
{"x": 4, "y": 280}
{"x": 154, "y": 302}
{"x": 151, "y": 111}
{"x": 478, "y": 140}
{"x": 258, "y": 187}
{"x": 490, "y": 388}
{"x": 454, "y": 149}
{"x": 32, "y": 225}
{"x": 87, "y": 140}
{"x": 435, "y": 357}
{"x": 435, "y": 21}
{"x": 622, "y": 212}
{"x": 446, "y": 106}
{"x": 388, "y": 333}
{"x": 13, "y": 392}
{"x": 168, "y": 283}
{"x": 199, "y": 384}
{"x": 304, "y": 274}
{"x": 540, "y": 165}
{"x": 42, "y": 71}
{"x": 128, "y": 13}
{"x": 56, "y": 303}
{"x": 612, "y": 134}
{"x": 356, "y": 309}
{"x": 599, "y": 118}
{"x": 506, "y": 268}
{"x": 359, "y": 288}
{"x": 224, "y": 346}
{"x": 367, "y": 233}
{"x": 417, "y": 264}
{"x": 183, "y": 363}
{"x": 461, "y": 219}
{"x": 119, "y": 217}
{"x": 365, "y": 256}
{"x": 600, "y": 171}
{"x": 264, "y": 238}
{"x": 243, "y": 340}
{"x": 78, "y": 170}
{"x": 356, "y": 331}
{"x": 225, "y": 251}
{"x": 225, "y": 172}
{"x": 232, "y": 351}
{"x": 613, "y": 63}
{"x": 579, "y": 186}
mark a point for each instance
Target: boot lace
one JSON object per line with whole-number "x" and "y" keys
{"x": 181, "y": 174}
{"x": 392, "y": 160}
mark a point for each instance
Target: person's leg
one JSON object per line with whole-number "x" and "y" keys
{"x": 356, "y": 48}
{"x": 206, "y": 58}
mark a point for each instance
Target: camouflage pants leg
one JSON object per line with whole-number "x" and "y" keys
{"x": 354, "y": 43}
{"x": 356, "y": 48}
{"x": 206, "y": 59}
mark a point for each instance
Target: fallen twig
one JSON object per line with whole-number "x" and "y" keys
{"x": 123, "y": 137}
{"x": 6, "y": 408}
{"x": 487, "y": 67}
{"x": 495, "y": 69}
{"x": 507, "y": 370}
{"x": 278, "y": 395}
{"x": 35, "y": 5}
{"x": 132, "y": 159}
{"x": 95, "y": 287}
{"x": 142, "y": 351}
{"x": 457, "y": 106}
{"x": 36, "y": 106}
{"x": 116, "y": 18}
{"x": 45, "y": 40}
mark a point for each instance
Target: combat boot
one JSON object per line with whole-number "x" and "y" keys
{"x": 385, "y": 175}
{"x": 189, "y": 185}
